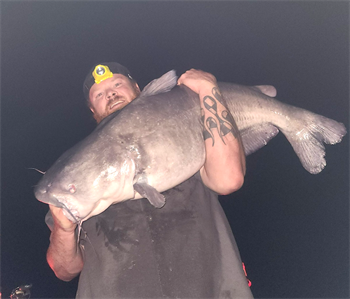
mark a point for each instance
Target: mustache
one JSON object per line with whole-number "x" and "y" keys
{"x": 114, "y": 100}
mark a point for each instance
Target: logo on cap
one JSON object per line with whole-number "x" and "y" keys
{"x": 101, "y": 72}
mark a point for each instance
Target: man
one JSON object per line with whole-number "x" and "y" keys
{"x": 183, "y": 250}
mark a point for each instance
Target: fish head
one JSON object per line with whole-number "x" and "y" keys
{"x": 83, "y": 177}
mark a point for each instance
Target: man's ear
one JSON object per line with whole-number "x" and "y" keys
{"x": 137, "y": 87}
{"x": 90, "y": 106}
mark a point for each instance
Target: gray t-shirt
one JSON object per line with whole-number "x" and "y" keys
{"x": 184, "y": 250}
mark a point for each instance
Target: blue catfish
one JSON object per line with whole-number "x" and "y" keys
{"x": 156, "y": 143}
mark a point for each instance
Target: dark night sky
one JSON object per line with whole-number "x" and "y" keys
{"x": 292, "y": 227}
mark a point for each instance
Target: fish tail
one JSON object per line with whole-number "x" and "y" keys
{"x": 308, "y": 140}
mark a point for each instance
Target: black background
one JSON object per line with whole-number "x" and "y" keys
{"x": 292, "y": 227}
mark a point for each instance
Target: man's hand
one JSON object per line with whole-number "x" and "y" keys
{"x": 61, "y": 221}
{"x": 224, "y": 166}
{"x": 197, "y": 80}
{"x": 64, "y": 256}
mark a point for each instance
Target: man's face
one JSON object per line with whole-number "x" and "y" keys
{"x": 111, "y": 95}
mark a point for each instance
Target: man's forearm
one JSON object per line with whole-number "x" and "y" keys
{"x": 64, "y": 255}
{"x": 224, "y": 167}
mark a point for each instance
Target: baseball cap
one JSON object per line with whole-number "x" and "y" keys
{"x": 101, "y": 72}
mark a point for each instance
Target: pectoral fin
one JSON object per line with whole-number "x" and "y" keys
{"x": 154, "y": 197}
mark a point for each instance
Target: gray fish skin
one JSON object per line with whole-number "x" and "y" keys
{"x": 156, "y": 142}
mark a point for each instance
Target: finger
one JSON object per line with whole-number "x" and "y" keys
{"x": 181, "y": 79}
{"x": 54, "y": 209}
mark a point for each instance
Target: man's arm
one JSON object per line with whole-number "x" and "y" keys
{"x": 224, "y": 166}
{"x": 64, "y": 255}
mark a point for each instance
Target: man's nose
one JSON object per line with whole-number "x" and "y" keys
{"x": 111, "y": 94}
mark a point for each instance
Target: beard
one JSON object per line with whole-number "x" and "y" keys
{"x": 107, "y": 111}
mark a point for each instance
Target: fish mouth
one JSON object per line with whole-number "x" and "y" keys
{"x": 69, "y": 210}
{"x": 71, "y": 214}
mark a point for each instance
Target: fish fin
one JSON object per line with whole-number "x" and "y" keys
{"x": 257, "y": 136}
{"x": 269, "y": 90}
{"x": 163, "y": 84}
{"x": 49, "y": 220}
{"x": 154, "y": 197}
{"x": 308, "y": 142}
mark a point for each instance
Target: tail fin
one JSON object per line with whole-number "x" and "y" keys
{"x": 308, "y": 141}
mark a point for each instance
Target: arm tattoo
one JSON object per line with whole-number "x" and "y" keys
{"x": 224, "y": 122}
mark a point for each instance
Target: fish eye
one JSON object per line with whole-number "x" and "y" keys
{"x": 71, "y": 188}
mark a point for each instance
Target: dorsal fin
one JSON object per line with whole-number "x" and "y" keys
{"x": 160, "y": 85}
{"x": 269, "y": 90}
